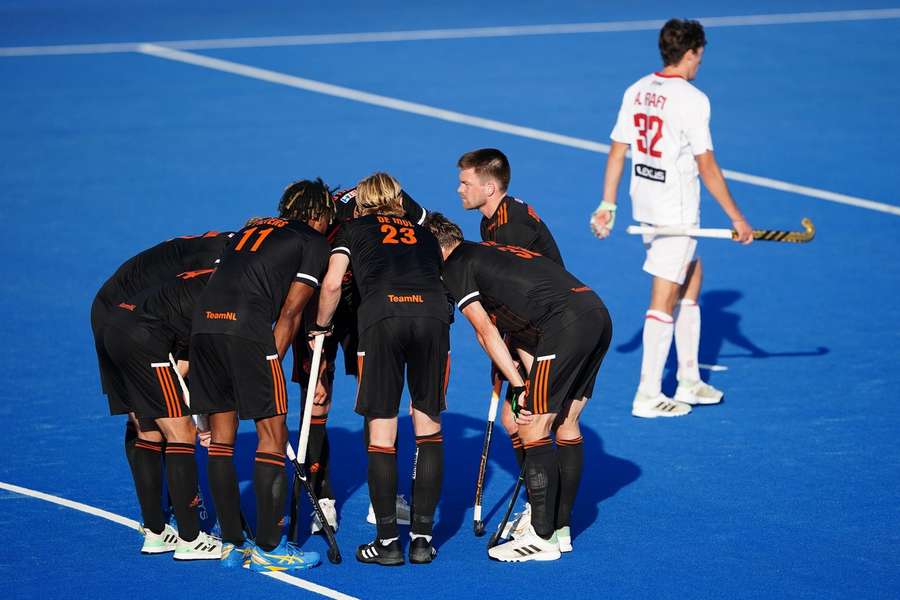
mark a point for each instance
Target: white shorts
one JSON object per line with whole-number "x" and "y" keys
{"x": 668, "y": 257}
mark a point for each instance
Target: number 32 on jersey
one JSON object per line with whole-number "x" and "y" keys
{"x": 647, "y": 126}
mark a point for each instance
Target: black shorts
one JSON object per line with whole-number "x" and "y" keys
{"x": 566, "y": 363}
{"x": 233, "y": 373}
{"x": 111, "y": 381}
{"x": 419, "y": 344}
{"x": 153, "y": 388}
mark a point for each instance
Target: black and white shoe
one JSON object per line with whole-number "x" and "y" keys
{"x": 421, "y": 551}
{"x": 376, "y": 552}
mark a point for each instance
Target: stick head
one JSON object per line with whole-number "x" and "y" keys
{"x": 479, "y": 528}
{"x": 334, "y": 556}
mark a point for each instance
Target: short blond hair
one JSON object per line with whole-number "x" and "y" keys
{"x": 379, "y": 193}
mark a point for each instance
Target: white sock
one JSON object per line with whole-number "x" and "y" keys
{"x": 657, "y": 341}
{"x": 413, "y": 536}
{"x": 687, "y": 340}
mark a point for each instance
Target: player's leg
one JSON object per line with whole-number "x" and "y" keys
{"x": 668, "y": 259}
{"x": 379, "y": 388}
{"x": 428, "y": 374}
{"x": 270, "y": 480}
{"x": 691, "y": 390}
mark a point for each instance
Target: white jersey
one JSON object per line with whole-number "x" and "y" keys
{"x": 665, "y": 120}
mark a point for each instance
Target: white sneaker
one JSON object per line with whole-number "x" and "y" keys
{"x": 205, "y": 547}
{"x": 330, "y": 512}
{"x": 564, "y": 538}
{"x": 158, "y": 543}
{"x": 402, "y": 511}
{"x": 698, "y": 392}
{"x": 650, "y": 407}
{"x": 518, "y": 525}
{"x": 529, "y": 546}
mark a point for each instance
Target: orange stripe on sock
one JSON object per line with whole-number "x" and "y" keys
{"x": 179, "y": 451}
{"x": 544, "y": 441}
{"x": 148, "y": 446}
{"x": 516, "y": 440}
{"x": 430, "y": 440}
{"x": 382, "y": 449}
{"x": 271, "y": 462}
{"x": 574, "y": 442}
{"x": 318, "y": 420}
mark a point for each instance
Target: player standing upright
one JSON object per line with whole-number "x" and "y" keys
{"x": 266, "y": 276}
{"x": 403, "y": 326}
{"x": 664, "y": 120}
{"x": 346, "y": 335}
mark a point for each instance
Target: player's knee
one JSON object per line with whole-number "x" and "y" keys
{"x": 537, "y": 429}
{"x": 509, "y": 422}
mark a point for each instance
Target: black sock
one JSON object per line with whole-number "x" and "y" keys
{"x": 571, "y": 460}
{"x": 148, "y": 483}
{"x": 428, "y": 476}
{"x": 383, "y": 489}
{"x": 270, "y": 485}
{"x": 181, "y": 471}
{"x": 317, "y": 455}
{"x": 541, "y": 480}
{"x": 226, "y": 494}
{"x": 131, "y": 438}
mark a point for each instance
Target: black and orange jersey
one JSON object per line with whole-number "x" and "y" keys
{"x": 515, "y": 223}
{"x": 526, "y": 294}
{"x": 162, "y": 263}
{"x": 164, "y": 311}
{"x": 396, "y": 266}
{"x": 245, "y": 295}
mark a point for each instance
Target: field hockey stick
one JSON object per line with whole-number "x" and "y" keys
{"x": 495, "y": 537}
{"x": 334, "y": 553}
{"x": 763, "y": 235}
{"x": 477, "y": 521}
{"x": 201, "y": 507}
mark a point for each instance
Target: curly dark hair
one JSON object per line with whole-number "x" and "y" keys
{"x": 677, "y": 37}
{"x": 307, "y": 200}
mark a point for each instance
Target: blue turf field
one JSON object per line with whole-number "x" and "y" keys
{"x": 789, "y": 489}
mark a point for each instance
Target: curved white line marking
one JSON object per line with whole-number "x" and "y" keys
{"x": 460, "y": 33}
{"x": 131, "y": 523}
{"x": 337, "y": 91}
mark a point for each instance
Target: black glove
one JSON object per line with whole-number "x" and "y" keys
{"x": 516, "y": 392}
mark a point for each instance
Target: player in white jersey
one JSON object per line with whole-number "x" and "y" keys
{"x": 664, "y": 120}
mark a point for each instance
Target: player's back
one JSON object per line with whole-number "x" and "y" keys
{"x": 396, "y": 266}
{"x": 245, "y": 295}
{"x": 528, "y": 294}
{"x": 165, "y": 311}
{"x": 516, "y": 223}
{"x": 162, "y": 263}
{"x": 665, "y": 121}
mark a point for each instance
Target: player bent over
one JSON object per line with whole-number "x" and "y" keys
{"x": 140, "y": 338}
{"x": 148, "y": 269}
{"x": 484, "y": 177}
{"x": 345, "y": 334}
{"x": 403, "y": 325}
{"x": 267, "y": 275}
{"x": 665, "y": 121}
{"x": 530, "y": 296}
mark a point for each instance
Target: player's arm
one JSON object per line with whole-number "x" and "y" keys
{"x": 603, "y": 218}
{"x": 492, "y": 342}
{"x": 291, "y": 315}
{"x": 330, "y": 294}
{"x": 714, "y": 181}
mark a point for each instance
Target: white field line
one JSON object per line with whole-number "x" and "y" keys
{"x": 460, "y": 33}
{"x": 131, "y": 523}
{"x": 328, "y": 89}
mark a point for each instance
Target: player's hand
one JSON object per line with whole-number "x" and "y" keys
{"x": 321, "y": 394}
{"x": 744, "y": 231}
{"x": 603, "y": 219}
{"x": 525, "y": 417}
{"x": 203, "y": 432}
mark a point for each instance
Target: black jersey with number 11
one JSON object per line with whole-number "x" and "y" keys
{"x": 245, "y": 295}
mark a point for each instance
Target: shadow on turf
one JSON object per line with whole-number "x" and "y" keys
{"x": 719, "y": 325}
{"x": 604, "y": 475}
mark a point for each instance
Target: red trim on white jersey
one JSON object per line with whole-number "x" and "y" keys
{"x": 664, "y": 76}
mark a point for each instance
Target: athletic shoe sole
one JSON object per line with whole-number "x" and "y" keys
{"x": 653, "y": 413}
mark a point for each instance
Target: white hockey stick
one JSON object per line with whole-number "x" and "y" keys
{"x": 673, "y": 230}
